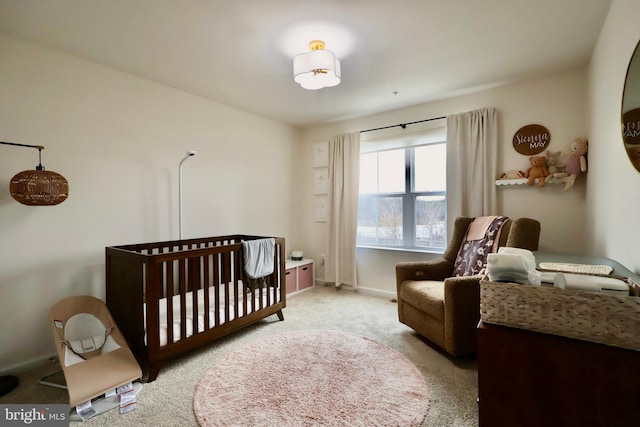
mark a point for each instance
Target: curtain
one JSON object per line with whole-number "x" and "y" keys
{"x": 472, "y": 146}
{"x": 344, "y": 180}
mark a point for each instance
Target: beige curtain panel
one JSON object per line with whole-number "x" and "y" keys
{"x": 472, "y": 146}
{"x": 344, "y": 180}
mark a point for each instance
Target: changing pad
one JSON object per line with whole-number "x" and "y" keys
{"x": 586, "y": 283}
{"x": 577, "y": 268}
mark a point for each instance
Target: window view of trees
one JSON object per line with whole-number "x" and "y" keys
{"x": 394, "y": 215}
{"x": 380, "y": 221}
{"x": 431, "y": 222}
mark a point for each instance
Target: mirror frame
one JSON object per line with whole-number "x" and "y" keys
{"x": 630, "y": 119}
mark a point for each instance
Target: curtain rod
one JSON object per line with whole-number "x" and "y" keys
{"x": 403, "y": 125}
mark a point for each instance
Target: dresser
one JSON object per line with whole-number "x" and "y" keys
{"x": 535, "y": 379}
{"x": 532, "y": 379}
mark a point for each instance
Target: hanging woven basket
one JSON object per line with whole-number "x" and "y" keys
{"x": 39, "y": 188}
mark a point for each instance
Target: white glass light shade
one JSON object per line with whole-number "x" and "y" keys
{"x": 316, "y": 69}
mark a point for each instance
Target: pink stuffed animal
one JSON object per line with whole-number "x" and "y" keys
{"x": 577, "y": 161}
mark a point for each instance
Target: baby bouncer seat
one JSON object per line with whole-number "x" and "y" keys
{"x": 93, "y": 354}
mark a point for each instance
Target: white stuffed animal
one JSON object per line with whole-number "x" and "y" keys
{"x": 512, "y": 174}
{"x": 553, "y": 161}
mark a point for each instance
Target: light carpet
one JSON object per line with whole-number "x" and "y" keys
{"x": 312, "y": 378}
{"x": 168, "y": 401}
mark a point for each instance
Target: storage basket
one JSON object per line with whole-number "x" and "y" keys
{"x": 606, "y": 319}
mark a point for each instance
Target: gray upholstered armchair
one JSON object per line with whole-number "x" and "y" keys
{"x": 444, "y": 307}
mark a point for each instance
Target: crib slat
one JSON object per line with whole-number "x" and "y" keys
{"x": 152, "y": 290}
{"x": 236, "y": 285}
{"x": 246, "y": 282}
{"x": 194, "y": 282}
{"x": 169, "y": 300}
{"x": 216, "y": 290}
{"x": 251, "y": 293}
{"x": 273, "y": 280}
{"x": 231, "y": 307}
{"x": 182, "y": 279}
{"x": 206, "y": 284}
{"x": 226, "y": 266}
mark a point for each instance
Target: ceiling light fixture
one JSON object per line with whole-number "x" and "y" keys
{"x": 316, "y": 69}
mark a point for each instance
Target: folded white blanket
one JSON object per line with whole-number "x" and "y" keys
{"x": 259, "y": 257}
{"x": 513, "y": 265}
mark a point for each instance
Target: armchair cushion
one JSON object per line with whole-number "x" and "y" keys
{"x": 482, "y": 238}
{"x": 426, "y": 295}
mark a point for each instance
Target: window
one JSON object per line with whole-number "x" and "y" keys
{"x": 403, "y": 197}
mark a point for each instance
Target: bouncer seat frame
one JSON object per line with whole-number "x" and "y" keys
{"x": 91, "y": 372}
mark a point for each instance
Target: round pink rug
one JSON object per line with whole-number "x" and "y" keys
{"x": 312, "y": 378}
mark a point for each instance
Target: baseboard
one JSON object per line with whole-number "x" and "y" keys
{"x": 377, "y": 293}
{"x": 28, "y": 366}
{"x": 364, "y": 290}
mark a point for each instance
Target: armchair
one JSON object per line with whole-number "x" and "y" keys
{"x": 445, "y": 308}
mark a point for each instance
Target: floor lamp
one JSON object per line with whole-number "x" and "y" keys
{"x": 189, "y": 154}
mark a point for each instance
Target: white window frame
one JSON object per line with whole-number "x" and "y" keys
{"x": 409, "y": 196}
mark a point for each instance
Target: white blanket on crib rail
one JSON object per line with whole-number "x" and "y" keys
{"x": 259, "y": 257}
{"x": 225, "y": 313}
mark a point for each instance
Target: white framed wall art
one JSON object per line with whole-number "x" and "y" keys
{"x": 321, "y": 154}
{"x": 320, "y": 180}
{"x": 320, "y": 208}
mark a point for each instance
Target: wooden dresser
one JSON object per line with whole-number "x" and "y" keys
{"x": 527, "y": 378}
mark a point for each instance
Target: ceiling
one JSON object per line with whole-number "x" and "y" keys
{"x": 394, "y": 53}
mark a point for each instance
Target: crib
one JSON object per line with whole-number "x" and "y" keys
{"x": 170, "y": 297}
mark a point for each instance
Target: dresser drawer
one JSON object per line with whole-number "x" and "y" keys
{"x": 291, "y": 279}
{"x": 305, "y": 276}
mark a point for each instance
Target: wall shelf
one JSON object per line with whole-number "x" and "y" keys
{"x": 518, "y": 181}
{"x": 523, "y": 181}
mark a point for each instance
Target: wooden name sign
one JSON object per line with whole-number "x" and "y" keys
{"x": 531, "y": 139}
{"x": 631, "y": 126}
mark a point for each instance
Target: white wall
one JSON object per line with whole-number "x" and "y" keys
{"x": 118, "y": 140}
{"x": 557, "y": 102}
{"x": 614, "y": 186}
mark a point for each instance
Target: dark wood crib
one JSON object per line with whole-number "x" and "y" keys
{"x": 170, "y": 297}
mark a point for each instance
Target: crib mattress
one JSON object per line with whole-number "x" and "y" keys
{"x": 225, "y": 314}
